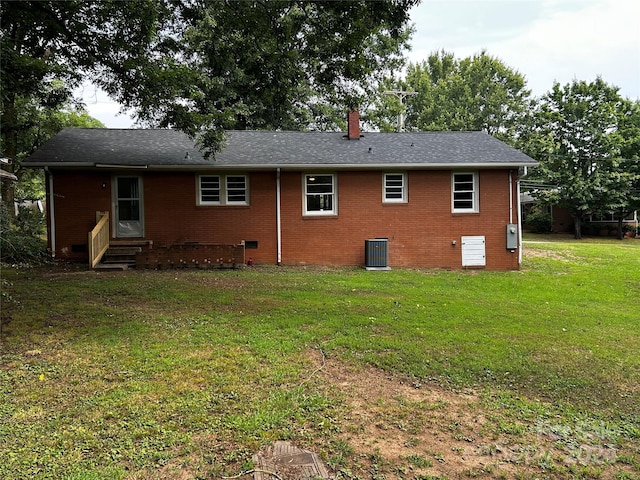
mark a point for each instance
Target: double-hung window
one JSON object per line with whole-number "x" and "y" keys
{"x": 222, "y": 190}
{"x": 394, "y": 188}
{"x": 320, "y": 194}
{"x": 464, "y": 192}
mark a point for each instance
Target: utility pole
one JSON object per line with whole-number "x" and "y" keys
{"x": 401, "y": 94}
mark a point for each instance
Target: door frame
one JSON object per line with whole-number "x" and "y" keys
{"x": 114, "y": 205}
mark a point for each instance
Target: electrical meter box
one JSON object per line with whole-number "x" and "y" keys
{"x": 512, "y": 236}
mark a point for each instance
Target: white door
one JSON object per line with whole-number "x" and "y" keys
{"x": 473, "y": 252}
{"x": 128, "y": 207}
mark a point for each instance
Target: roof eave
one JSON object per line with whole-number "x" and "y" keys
{"x": 298, "y": 166}
{"x": 345, "y": 166}
{"x": 56, "y": 164}
{"x": 357, "y": 166}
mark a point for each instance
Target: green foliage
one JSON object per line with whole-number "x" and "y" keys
{"x": 306, "y": 60}
{"x": 30, "y": 221}
{"x": 37, "y": 124}
{"x": 203, "y": 66}
{"x": 419, "y": 461}
{"x": 21, "y": 243}
{"x": 539, "y": 220}
{"x": 579, "y": 143}
{"x": 477, "y": 93}
{"x": 48, "y": 48}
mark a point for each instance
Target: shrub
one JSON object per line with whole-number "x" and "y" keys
{"x": 628, "y": 228}
{"x": 539, "y": 221}
{"x": 30, "y": 221}
{"x": 20, "y": 242}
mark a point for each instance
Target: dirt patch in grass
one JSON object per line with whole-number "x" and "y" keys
{"x": 554, "y": 255}
{"x": 399, "y": 428}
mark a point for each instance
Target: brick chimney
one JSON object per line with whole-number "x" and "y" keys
{"x": 353, "y": 125}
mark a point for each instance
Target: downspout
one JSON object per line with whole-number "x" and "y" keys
{"x": 278, "y": 219}
{"x": 52, "y": 215}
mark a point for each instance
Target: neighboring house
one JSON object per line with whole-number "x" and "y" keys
{"x": 437, "y": 199}
{"x": 561, "y": 221}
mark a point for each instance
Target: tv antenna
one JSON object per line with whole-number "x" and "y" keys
{"x": 401, "y": 94}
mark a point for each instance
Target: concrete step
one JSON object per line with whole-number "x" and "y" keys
{"x": 118, "y": 259}
{"x": 124, "y": 250}
{"x": 112, "y": 266}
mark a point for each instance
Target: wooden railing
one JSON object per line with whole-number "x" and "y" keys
{"x": 99, "y": 238}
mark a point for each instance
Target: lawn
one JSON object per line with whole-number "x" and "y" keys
{"x": 411, "y": 374}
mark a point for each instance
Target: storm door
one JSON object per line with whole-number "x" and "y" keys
{"x": 128, "y": 207}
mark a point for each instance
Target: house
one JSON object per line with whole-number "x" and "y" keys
{"x": 560, "y": 220}
{"x": 428, "y": 200}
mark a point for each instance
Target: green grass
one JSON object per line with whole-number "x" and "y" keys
{"x": 142, "y": 374}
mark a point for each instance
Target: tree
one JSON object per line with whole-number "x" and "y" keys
{"x": 580, "y": 142}
{"x": 201, "y": 66}
{"x": 269, "y": 65}
{"x": 624, "y": 187}
{"x": 20, "y": 237}
{"x": 476, "y": 93}
{"x": 48, "y": 47}
{"x": 39, "y": 124}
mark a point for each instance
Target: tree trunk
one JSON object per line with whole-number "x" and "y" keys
{"x": 620, "y": 232}
{"x": 10, "y": 151}
{"x": 577, "y": 225}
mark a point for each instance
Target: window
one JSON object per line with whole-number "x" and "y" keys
{"x": 320, "y": 195}
{"x": 222, "y": 190}
{"x": 395, "y": 188}
{"x": 465, "y": 192}
{"x": 236, "y": 190}
{"x": 209, "y": 190}
{"x": 611, "y": 218}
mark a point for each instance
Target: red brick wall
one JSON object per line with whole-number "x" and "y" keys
{"x": 172, "y": 215}
{"x": 77, "y": 196}
{"x": 420, "y": 232}
{"x": 562, "y": 221}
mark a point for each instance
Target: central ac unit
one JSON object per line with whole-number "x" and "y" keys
{"x": 376, "y": 254}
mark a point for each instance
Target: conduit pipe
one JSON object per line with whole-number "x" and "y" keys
{"x": 278, "y": 219}
{"x": 519, "y": 223}
{"x": 52, "y": 215}
{"x": 510, "y": 196}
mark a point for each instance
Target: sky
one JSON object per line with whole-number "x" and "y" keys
{"x": 547, "y": 41}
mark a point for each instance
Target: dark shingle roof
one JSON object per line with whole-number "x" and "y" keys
{"x": 156, "y": 148}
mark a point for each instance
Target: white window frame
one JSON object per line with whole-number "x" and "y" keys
{"x": 234, "y": 190}
{"x": 200, "y": 190}
{"x": 333, "y": 194}
{"x": 225, "y": 191}
{"x": 611, "y": 218}
{"x": 469, "y": 194}
{"x": 394, "y": 189}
